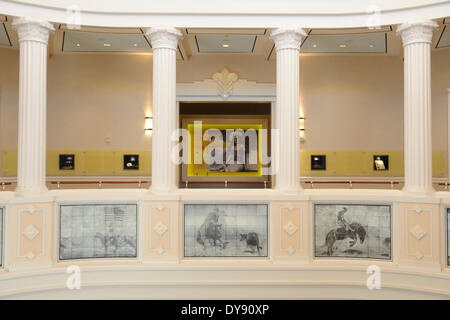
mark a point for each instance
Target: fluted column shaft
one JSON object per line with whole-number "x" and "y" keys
{"x": 417, "y": 105}
{"x": 287, "y": 46}
{"x": 164, "y": 43}
{"x": 33, "y": 39}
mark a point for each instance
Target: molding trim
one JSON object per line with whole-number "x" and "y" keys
{"x": 226, "y": 85}
{"x": 418, "y": 232}
{"x": 162, "y": 280}
{"x": 414, "y": 32}
{"x": 160, "y": 228}
{"x": 33, "y": 30}
{"x": 164, "y": 38}
{"x": 30, "y": 233}
{"x": 290, "y": 229}
{"x": 287, "y": 38}
{"x": 225, "y": 81}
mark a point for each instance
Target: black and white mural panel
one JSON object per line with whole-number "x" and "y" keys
{"x": 352, "y": 231}
{"x": 98, "y": 231}
{"x": 225, "y": 230}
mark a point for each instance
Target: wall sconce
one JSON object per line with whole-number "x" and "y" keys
{"x": 148, "y": 125}
{"x": 301, "y": 128}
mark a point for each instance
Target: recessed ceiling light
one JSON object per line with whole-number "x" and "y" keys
{"x": 78, "y": 44}
{"x": 314, "y": 45}
{"x": 135, "y": 44}
{"x": 225, "y": 45}
{"x": 107, "y": 45}
{"x": 370, "y": 45}
{"x": 342, "y": 46}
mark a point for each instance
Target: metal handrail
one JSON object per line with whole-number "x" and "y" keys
{"x": 312, "y": 182}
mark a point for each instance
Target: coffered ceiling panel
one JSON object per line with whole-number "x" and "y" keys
{"x": 225, "y": 43}
{"x": 77, "y": 41}
{"x": 346, "y": 43}
{"x": 444, "y": 40}
{"x": 4, "y": 37}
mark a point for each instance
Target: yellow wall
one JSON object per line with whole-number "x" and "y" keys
{"x": 360, "y": 163}
{"x": 90, "y": 163}
{"x": 339, "y": 163}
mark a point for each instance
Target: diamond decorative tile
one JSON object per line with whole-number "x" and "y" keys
{"x": 30, "y": 255}
{"x": 30, "y": 232}
{"x": 160, "y": 228}
{"x": 290, "y": 207}
{"x": 290, "y": 250}
{"x": 418, "y": 255}
{"x": 418, "y": 232}
{"x": 290, "y": 228}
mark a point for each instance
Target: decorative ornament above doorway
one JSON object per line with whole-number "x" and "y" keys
{"x": 225, "y": 81}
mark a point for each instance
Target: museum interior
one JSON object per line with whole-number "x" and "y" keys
{"x": 225, "y": 151}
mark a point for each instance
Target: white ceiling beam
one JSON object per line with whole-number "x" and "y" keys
{"x": 231, "y": 13}
{"x": 349, "y": 31}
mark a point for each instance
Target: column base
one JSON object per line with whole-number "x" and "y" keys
{"x": 31, "y": 191}
{"x": 417, "y": 191}
{"x": 162, "y": 190}
{"x": 289, "y": 190}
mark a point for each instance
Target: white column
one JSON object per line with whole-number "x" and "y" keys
{"x": 164, "y": 171}
{"x": 287, "y": 45}
{"x": 33, "y": 39}
{"x": 416, "y": 38}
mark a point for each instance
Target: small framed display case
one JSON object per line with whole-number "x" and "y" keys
{"x": 130, "y": 162}
{"x": 380, "y": 162}
{"x": 66, "y": 162}
{"x": 318, "y": 162}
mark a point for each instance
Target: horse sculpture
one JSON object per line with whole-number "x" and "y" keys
{"x": 354, "y": 232}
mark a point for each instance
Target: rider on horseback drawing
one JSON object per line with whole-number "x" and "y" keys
{"x": 341, "y": 222}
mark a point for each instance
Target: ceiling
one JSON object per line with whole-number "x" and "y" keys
{"x": 346, "y": 43}
{"x": 215, "y": 41}
{"x": 76, "y": 41}
{"x": 4, "y": 37}
{"x": 444, "y": 39}
{"x": 225, "y": 43}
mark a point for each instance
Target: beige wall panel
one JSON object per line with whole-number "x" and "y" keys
{"x": 31, "y": 230}
{"x": 419, "y": 236}
{"x": 160, "y": 230}
{"x": 290, "y": 230}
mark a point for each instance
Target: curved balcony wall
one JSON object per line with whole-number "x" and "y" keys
{"x": 417, "y": 266}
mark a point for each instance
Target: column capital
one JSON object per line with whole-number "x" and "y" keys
{"x": 33, "y": 30}
{"x": 287, "y": 38}
{"x": 417, "y": 31}
{"x": 164, "y": 37}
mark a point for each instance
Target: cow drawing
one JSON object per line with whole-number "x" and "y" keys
{"x": 252, "y": 241}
